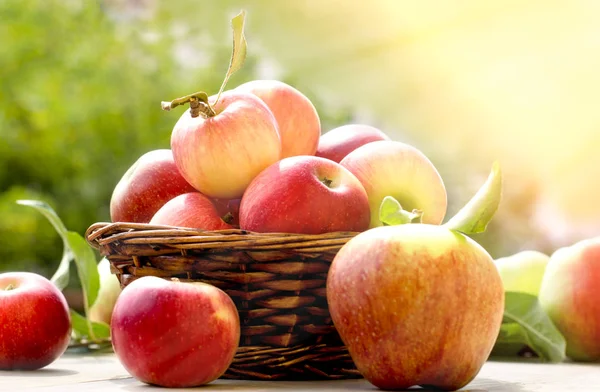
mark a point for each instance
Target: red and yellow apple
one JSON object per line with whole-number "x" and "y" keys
{"x": 110, "y": 288}
{"x": 570, "y": 294}
{"x": 35, "y": 325}
{"x": 296, "y": 116}
{"x": 192, "y": 210}
{"x": 148, "y": 184}
{"x": 174, "y": 334}
{"x": 416, "y": 304}
{"x": 220, "y": 153}
{"x": 341, "y": 141}
{"x": 391, "y": 168}
{"x": 304, "y": 194}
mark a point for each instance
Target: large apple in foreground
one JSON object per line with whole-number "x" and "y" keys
{"x": 220, "y": 153}
{"x": 304, "y": 194}
{"x": 192, "y": 210}
{"x": 35, "y": 326}
{"x": 523, "y": 271}
{"x": 297, "y": 118}
{"x": 570, "y": 294}
{"x": 390, "y": 168}
{"x": 174, "y": 334}
{"x": 148, "y": 184}
{"x": 416, "y": 304}
{"x": 341, "y": 141}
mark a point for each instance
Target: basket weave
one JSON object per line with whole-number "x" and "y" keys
{"x": 277, "y": 282}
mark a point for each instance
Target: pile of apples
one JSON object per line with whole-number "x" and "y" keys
{"x": 254, "y": 159}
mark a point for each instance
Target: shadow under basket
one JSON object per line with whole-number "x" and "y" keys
{"x": 277, "y": 282}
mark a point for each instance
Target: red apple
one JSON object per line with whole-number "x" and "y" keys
{"x": 305, "y": 194}
{"x": 148, "y": 184}
{"x": 297, "y": 118}
{"x": 190, "y": 210}
{"x": 220, "y": 154}
{"x": 35, "y": 325}
{"x": 174, "y": 334}
{"x": 570, "y": 294}
{"x": 390, "y": 168}
{"x": 416, "y": 304}
{"x": 341, "y": 141}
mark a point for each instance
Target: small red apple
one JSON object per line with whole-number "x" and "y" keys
{"x": 341, "y": 141}
{"x": 174, "y": 334}
{"x": 570, "y": 294}
{"x": 35, "y": 325}
{"x": 297, "y": 118}
{"x": 148, "y": 184}
{"x": 220, "y": 152}
{"x": 305, "y": 194}
{"x": 190, "y": 210}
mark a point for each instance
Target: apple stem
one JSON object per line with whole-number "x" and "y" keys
{"x": 228, "y": 218}
{"x": 198, "y": 104}
{"x": 9, "y": 287}
{"x": 327, "y": 182}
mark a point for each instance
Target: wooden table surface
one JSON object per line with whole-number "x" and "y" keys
{"x": 103, "y": 372}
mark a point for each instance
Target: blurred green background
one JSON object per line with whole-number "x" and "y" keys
{"x": 81, "y": 84}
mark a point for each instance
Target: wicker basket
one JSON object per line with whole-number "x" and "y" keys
{"x": 277, "y": 282}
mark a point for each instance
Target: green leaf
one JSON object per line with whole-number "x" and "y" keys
{"x": 526, "y": 323}
{"x": 391, "y": 212}
{"x": 61, "y": 276}
{"x": 478, "y": 212}
{"x": 238, "y": 54}
{"x": 81, "y": 328}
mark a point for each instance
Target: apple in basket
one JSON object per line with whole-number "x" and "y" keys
{"x": 190, "y": 210}
{"x": 419, "y": 304}
{"x": 223, "y": 148}
{"x": 174, "y": 334}
{"x": 148, "y": 184}
{"x": 304, "y": 194}
{"x": 35, "y": 326}
{"x": 296, "y": 116}
{"x": 391, "y": 168}
{"x": 341, "y": 141}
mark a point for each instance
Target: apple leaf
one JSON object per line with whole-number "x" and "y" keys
{"x": 81, "y": 328}
{"x": 474, "y": 217}
{"x": 238, "y": 54}
{"x": 525, "y": 323}
{"x": 392, "y": 214}
{"x": 61, "y": 276}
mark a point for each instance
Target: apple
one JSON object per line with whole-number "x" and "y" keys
{"x": 35, "y": 325}
{"x": 296, "y": 116}
{"x": 391, "y": 168}
{"x": 569, "y": 294}
{"x": 220, "y": 151}
{"x": 341, "y": 141}
{"x": 415, "y": 304}
{"x": 523, "y": 271}
{"x": 192, "y": 210}
{"x": 148, "y": 184}
{"x": 174, "y": 334}
{"x": 110, "y": 288}
{"x": 304, "y": 194}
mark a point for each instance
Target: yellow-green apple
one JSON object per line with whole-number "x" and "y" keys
{"x": 192, "y": 210}
{"x": 570, "y": 295}
{"x": 341, "y": 141}
{"x": 110, "y": 288}
{"x": 174, "y": 334}
{"x": 419, "y": 304}
{"x": 35, "y": 325}
{"x": 221, "y": 150}
{"x": 305, "y": 194}
{"x": 297, "y": 118}
{"x": 148, "y": 184}
{"x": 391, "y": 168}
{"x": 523, "y": 271}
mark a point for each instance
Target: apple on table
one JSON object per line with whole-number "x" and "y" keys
{"x": 35, "y": 325}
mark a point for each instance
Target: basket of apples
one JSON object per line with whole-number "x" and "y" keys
{"x": 222, "y": 243}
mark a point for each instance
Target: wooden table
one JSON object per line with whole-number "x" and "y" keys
{"x": 103, "y": 372}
